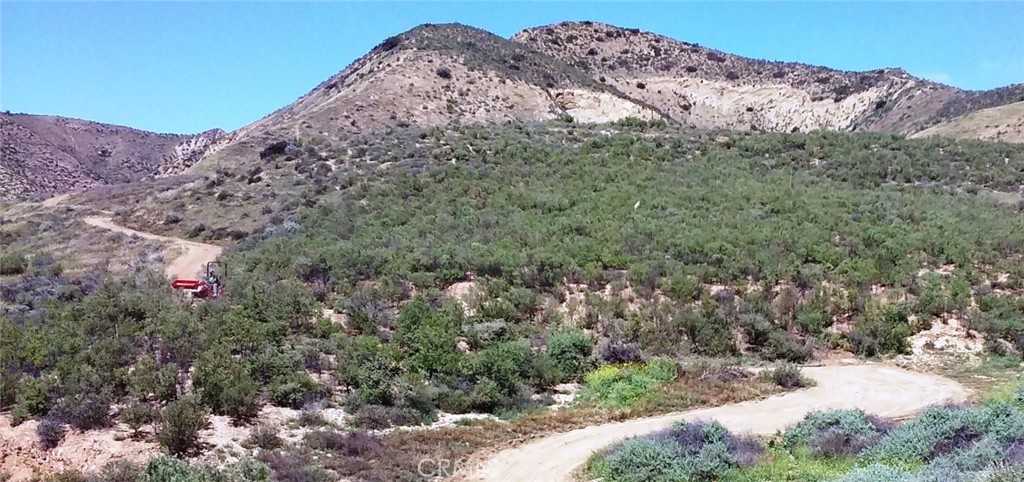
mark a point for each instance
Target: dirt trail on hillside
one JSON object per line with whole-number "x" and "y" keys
{"x": 188, "y": 264}
{"x": 880, "y": 389}
{"x": 54, "y": 201}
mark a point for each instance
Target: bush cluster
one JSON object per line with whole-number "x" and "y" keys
{"x": 624, "y": 385}
{"x": 688, "y": 451}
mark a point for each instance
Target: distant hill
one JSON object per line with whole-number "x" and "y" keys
{"x": 452, "y": 74}
{"x": 47, "y": 154}
{"x": 438, "y": 75}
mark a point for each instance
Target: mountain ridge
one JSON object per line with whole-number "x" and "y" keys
{"x": 582, "y": 71}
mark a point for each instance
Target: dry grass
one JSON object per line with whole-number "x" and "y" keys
{"x": 979, "y": 373}
{"x": 78, "y": 247}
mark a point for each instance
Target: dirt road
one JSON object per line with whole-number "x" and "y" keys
{"x": 878, "y": 389}
{"x": 188, "y": 264}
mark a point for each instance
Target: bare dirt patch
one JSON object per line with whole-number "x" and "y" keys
{"x": 21, "y": 457}
{"x": 193, "y": 257}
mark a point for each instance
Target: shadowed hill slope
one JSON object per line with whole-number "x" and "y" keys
{"x": 45, "y": 154}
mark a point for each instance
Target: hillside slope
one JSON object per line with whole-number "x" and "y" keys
{"x": 1004, "y": 123}
{"x": 436, "y": 75}
{"x": 713, "y": 89}
{"x": 451, "y": 74}
{"x": 42, "y": 154}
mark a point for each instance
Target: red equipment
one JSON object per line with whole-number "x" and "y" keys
{"x": 201, "y": 289}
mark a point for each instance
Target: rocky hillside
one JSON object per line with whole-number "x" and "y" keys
{"x": 45, "y": 154}
{"x": 438, "y": 75}
{"x": 709, "y": 88}
{"x": 453, "y": 74}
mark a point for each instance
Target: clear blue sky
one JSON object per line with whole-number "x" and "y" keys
{"x": 187, "y": 67}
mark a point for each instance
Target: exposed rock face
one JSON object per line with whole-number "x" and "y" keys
{"x": 709, "y": 88}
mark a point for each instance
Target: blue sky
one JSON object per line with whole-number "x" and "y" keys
{"x": 186, "y": 67}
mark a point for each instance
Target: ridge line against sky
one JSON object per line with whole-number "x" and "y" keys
{"x": 189, "y": 67}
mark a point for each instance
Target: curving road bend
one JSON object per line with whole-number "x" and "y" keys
{"x": 193, "y": 257}
{"x": 875, "y": 388}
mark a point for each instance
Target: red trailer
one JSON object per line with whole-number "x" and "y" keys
{"x": 209, "y": 287}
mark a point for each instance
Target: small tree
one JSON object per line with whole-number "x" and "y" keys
{"x": 180, "y": 424}
{"x": 138, "y": 414}
{"x": 224, "y": 385}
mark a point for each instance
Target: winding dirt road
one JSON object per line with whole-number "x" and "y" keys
{"x": 879, "y": 389}
{"x": 188, "y": 264}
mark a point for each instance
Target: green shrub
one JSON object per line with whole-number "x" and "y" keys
{"x": 67, "y": 476}
{"x": 882, "y": 330}
{"x": 835, "y": 433}
{"x": 149, "y": 381}
{"x": 709, "y": 334}
{"x": 782, "y": 346}
{"x": 295, "y": 391}
{"x": 624, "y": 385}
{"x": 84, "y": 411}
{"x": 488, "y": 396}
{"x": 787, "y": 375}
{"x": 138, "y": 414}
{"x": 168, "y": 469}
{"x": 927, "y": 436}
{"x": 370, "y": 367}
{"x": 225, "y": 386}
{"x": 180, "y": 423}
{"x": 876, "y": 473}
{"x": 570, "y": 352}
{"x": 644, "y": 460}
{"x": 118, "y": 471}
{"x": 377, "y": 417}
{"x": 265, "y": 437}
{"x": 247, "y": 470}
{"x": 687, "y": 451}
{"x": 428, "y": 338}
{"x": 1003, "y": 473}
{"x": 33, "y": 396}
{"x": 12, "y": 263}
{"x": 682, "y": 288}
{"x": 508, "y": 364}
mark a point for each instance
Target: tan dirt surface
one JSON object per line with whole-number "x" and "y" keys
{"x": 1004, "y": 123}
{"x": 879, "y": 389}
{"x": 193, "y": 257}
{"x": 54, "y": 201}
{"x": 22, "y": 458}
